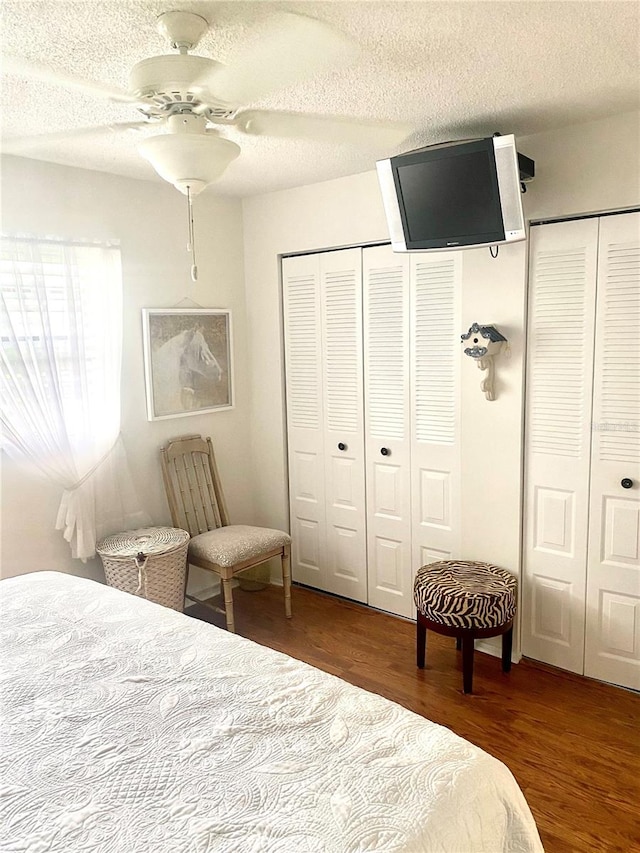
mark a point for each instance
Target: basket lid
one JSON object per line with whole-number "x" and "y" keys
{"x": 148, "y": 540}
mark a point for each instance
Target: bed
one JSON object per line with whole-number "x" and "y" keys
{"x": 128, "y": 727}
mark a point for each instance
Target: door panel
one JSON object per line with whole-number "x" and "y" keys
{"x": 386, "y": 378}
{"x": 305, "y": 436}
{"x": 386, "y": 492}
{"x": 619, "y": 627}
{"x": 562, "y": 280}
{"x": 342, "y": 390}
{"x": 551, "y": 610}
{"x": 620, "y": 527}
{"x": 613, "y": 577}
{"x": 435, "y": 499}
{"x": 436, "y": 285}
{"x": 307, "y": 535}
{"x": 554, "y": 514}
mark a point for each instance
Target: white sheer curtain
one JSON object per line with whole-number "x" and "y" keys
{"x": 61, "y": 333}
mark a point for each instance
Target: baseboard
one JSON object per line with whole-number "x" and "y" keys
{"x": 493, "y": 646}
{"x": 203, "y": 593}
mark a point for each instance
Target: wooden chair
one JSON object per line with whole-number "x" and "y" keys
{"x": 196, "y": 503}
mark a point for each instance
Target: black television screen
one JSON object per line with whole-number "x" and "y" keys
{"x": 453, "y": 195}
{"x": 451, "y": 198}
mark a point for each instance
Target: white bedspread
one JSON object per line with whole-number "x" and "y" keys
{"x": 128, "y": 727}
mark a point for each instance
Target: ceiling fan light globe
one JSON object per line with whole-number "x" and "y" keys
{"x": 194, "y": 160}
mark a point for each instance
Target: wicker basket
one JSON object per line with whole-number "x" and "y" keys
{"x": 150, "y": 562}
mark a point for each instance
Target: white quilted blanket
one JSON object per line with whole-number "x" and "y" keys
{"x": 128, "y": 727}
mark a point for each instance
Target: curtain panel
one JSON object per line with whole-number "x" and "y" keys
{"x": 61, "y": 332}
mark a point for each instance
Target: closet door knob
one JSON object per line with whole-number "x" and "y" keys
{"x": 342, "y": 446}
{"x": 385, "y": 451}
{"x": 626, "y": 483}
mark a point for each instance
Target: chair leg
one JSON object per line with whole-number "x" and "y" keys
{"x": 228, "y": 605}
{"x": 467, "y": 662}
{"x": 286, "y": 582}
{"x": 421, "y": 642}
{"x": 507, "y": 643}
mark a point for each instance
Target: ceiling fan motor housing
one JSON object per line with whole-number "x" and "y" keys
{"x": 173, "y": 80}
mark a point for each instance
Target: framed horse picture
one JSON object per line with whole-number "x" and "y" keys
{"x": 187, "y": 361}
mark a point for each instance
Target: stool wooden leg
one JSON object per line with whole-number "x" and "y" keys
{"x": 507, "y": 643}
{"x": 421, "y": 642}
{"x": 467, "y": 662}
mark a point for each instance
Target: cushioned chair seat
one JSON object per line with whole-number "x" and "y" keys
{"x": 228, "y": 546}
{"x": 465, "y": 594}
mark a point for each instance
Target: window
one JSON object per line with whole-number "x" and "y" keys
{"x": 61, "y": 335}
{"x": 61, "y": 315}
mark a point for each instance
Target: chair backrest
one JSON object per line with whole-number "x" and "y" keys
{"x": 192, "y": 485}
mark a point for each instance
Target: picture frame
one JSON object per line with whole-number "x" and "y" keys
{"x": 188, "y": 361}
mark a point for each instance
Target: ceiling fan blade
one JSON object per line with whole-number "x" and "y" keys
{"x": 291, "y": 48}
{"x": 24, "y": 144}
{"x": 336, "y": 129}
{"x": 18, "y": 67}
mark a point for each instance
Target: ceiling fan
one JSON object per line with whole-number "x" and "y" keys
{"x": 192, "y": 98}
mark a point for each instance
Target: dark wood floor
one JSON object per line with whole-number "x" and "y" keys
{"x": 573, "y": 744}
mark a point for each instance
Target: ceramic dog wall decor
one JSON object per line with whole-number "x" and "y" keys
{"x": 484, "y": 343}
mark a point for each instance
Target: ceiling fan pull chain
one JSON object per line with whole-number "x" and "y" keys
{"x": 191, "y": 245}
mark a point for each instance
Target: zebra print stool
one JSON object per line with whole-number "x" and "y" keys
{"x": 468, "y": 601}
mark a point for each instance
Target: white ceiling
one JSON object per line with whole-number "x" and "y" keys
{"x": 449, "y": 69}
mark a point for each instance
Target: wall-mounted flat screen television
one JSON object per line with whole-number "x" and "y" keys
{"x": 454, "y": 195}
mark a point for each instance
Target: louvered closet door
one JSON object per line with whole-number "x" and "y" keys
{"x": 305, "y": 420}
{"x": 387, "y": 419}
{"x": 436, "y": 284}
{"x": 613, "y": 576}
{"x": 562, "y": 280}
{"x": 341, "y": 308}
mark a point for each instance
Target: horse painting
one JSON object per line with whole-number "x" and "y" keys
{"x": 187, "y": 377}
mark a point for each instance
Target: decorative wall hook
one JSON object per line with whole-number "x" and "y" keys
{"x": 483, "y": 343}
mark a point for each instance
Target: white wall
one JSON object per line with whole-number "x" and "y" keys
{"x": 587, "y": 168}
{"x": 584, "y": 168}
{"x": 149, "y": 219}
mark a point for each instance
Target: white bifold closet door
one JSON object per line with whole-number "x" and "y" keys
{"x": 323, "y": 357}
{"x": 386, "y": 295}
{"x": 562, "y": 286}
{"x": 341, "y": 304}
{"x": 436, "y": 296}
{"x": 612, "y": 650}
{"x": 581, "y": 601}
{"x": 372, "y": 346}
{"x": 305, "y": 418}
{"x": 411, "y": 369}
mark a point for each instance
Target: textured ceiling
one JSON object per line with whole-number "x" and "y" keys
{"x": 449, "y": 69}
